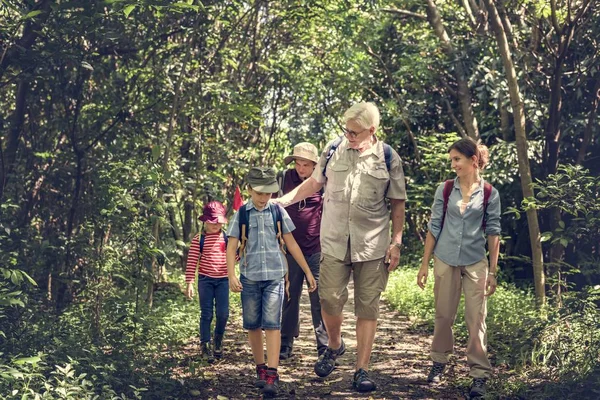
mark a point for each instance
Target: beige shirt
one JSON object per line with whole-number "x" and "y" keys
{"x": 354, "y": 206}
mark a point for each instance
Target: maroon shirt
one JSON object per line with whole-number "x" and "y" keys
{"x": 306, "y": 215}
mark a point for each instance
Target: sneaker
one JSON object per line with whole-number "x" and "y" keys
{"x": 478, "y": 387}
{"x": 285, "y": 352}
{"x": 218, "y": 346}
{"x": 326, "y": 362}
{"x": 361, "y": 381}
{"x": 206, "y": 352}
{"x": 436, "y": 373}
{"x": 271, "y": 384}
{"x": 261, "y": 376}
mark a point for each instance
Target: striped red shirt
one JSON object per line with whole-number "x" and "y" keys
{"x": 213, "y": 261}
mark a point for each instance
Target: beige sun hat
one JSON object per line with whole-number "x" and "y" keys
{"x": 304, "y": 150}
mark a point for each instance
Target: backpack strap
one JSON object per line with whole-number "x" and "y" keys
{"x": 387, "y": 155}
{"x": 448, "y": 186}
{"x": 243, "y": 227}
{"x": 332, "y": 150}
{"x": 487, "y": 192}
{"x": 277, "y": 222}
{"x": 281, "y": 181}
{"x": 202, "y": 238}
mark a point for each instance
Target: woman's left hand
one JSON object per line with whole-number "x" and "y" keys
{"x": 490, "y": 285}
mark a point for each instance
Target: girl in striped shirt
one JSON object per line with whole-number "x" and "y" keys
{"x": 207, "y": 255}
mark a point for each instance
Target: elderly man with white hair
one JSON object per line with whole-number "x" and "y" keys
{"x": 358, "y": 172}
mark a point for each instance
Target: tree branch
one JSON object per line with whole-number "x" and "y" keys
{"x": 404, "y": 13}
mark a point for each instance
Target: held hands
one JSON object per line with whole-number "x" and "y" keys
{"x": 490, "y": 285}
{"x": 234, "y": 284}
{"x": 189, "y": 290}
{"x": 392, "y": 257}
{"x": 422, "y": 276}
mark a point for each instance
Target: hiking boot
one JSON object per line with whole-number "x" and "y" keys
{"x": 261, "y": 376}
{"x": 206, "y": 352}
{"x": 326, "y": 362}
{"x": 478, "y": 388}
{"x": 271, "y": 387}
{"x": 218, "y": 346}
{"x": 436, "y": 373}
{"x": 361, "y": 381}
{"x": 285, "y": 352}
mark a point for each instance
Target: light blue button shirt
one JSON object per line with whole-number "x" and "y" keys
{"x": 462, "y": 240}
{"x": 262, "y": 260}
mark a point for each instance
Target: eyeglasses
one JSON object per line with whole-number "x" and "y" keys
{"x": 350, "y": 133}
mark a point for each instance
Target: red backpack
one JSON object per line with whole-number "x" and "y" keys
{"x": 487, "y": 192}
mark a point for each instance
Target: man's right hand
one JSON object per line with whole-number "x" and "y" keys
{"x": 189, "y": 290}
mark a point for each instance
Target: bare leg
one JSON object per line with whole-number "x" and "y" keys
{"x": 365, "y": 335}
{"x": 333, "y": 323}
{"x": 273, "y": 345}
{"x": 255, "y": 338}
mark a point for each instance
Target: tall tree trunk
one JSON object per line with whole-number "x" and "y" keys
{"x": 591, "y": 123}
{"x": 522, "y": 147}
{"x": 165, "y": 164}
{"x": 9, "y": 155}
{"x": 463, "y": 93}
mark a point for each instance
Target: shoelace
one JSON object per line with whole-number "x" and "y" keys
{"x": 361, "y": 375}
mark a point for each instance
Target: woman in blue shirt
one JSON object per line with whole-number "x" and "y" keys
{"x": 457, "y": 241}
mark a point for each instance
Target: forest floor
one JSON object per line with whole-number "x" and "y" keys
{"x": 399, "y": 364}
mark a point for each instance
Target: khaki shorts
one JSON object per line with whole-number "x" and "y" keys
{"x": 370, "y": 279}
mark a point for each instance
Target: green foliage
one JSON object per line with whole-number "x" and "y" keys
{"x": 576, "y": 193}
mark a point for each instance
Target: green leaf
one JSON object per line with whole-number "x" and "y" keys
{"x": 128, "y": 9}
{"x": 155, "y": 152}
{"x": 561, "y": 224}
{"x": 32, "y": 14}
{"x": 87, "y": 65}
{"x": 27, "y": 360}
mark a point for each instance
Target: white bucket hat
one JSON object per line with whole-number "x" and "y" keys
{"x": 305, "y": 151}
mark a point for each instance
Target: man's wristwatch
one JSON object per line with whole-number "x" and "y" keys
{"x": 398, "y": 245}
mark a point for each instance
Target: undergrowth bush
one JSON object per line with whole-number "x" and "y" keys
{"x": 62, "y": 358}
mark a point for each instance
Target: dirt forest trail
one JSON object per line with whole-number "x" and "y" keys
{"x": 399, "y": 364}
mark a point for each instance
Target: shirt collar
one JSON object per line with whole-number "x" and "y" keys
{"x": 457, "y": 184}
{"x": 376, "y": 148}
{"x": 250, "y": 205}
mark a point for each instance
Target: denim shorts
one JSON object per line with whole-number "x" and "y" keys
{"x": 261, "y": 303}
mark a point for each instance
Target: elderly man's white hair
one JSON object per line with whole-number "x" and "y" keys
{"x": 366, "y": 114}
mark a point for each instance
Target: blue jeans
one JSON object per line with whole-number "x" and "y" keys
{"x": 214, "y": 294}
{"x": 261, "y": 303}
